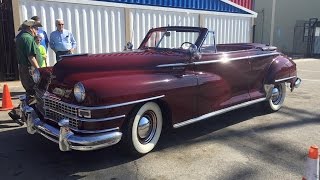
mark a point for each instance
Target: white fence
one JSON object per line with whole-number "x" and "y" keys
{"x": 101, "y": 27}
{"x": 229, "y": 29}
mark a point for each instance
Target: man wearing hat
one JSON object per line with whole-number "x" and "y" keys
{"x": 28, "y": 56}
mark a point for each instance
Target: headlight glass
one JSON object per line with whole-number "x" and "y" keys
{"x": 79, "y": 92}
{"x": 36, "y": 75}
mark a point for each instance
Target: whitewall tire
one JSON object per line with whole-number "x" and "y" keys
{"x": 277, "y": 98}
{"x": 144, "y": 128}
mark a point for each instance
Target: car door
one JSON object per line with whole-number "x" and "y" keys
{"x": 222, "y": 80}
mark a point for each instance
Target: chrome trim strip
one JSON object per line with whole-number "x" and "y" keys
{"x": 235, "y": 59}
{"x": 108, "y": 106}
{"x": 84, "y": 119}
{"x": 102, "y": 119}
{"x": 173, "y": 65}
{"x": 216, "y": 61}
{"x": 71, "y": 55}
{"x": 124, "y": 104}
{"x": 97, "y": 131}
{"x": 215, "y": 113}
{"x": 86, "y": 131}
{"x": 284, "y": 79}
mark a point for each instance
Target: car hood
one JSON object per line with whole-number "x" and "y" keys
{"x": 73, "y": 69}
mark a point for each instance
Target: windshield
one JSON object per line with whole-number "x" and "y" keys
{"x": 171, "y": 39}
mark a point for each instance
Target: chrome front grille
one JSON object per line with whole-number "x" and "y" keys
{"x": 54, "y": 109}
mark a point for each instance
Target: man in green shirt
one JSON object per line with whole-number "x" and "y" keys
{"x": 28, "y": 56}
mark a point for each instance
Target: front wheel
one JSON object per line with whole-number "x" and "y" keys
{"x": 277, "y": 98}
{"x": 144, "y": 129}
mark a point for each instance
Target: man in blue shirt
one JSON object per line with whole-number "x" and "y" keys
{"x": 44, "y": 38}
{"x": 62, "y": 41}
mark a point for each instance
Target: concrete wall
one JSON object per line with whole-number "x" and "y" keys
{"x": 287, "y": 13}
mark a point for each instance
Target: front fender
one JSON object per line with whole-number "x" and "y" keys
{"x": 124, "y": 88}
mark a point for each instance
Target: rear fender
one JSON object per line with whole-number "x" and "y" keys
{"x": 280, "y": 70}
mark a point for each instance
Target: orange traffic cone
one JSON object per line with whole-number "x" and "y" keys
{"x": 312, "y": 165}
{"x": 6, "y": 99}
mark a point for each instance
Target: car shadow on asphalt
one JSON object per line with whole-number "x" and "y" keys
{"x": 21, "y": 154}
{"x": 272, "y": 151}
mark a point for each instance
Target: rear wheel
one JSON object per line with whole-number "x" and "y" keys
{"x": 144, "y": 129}
{"x": 277, "y": 98}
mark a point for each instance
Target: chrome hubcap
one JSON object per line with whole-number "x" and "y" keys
{"x": 147, "y": 127}
{"x": 143, "y": 127}
{"x": 276, "y": 94}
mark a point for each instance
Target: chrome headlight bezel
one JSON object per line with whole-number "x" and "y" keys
{"x": 36, "y": 75}
{"x": 79, "y": 92}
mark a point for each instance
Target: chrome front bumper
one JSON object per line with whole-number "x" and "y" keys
{"x": 66, "y": 139}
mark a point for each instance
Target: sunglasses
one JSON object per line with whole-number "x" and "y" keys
{"x": 60, "y": 24}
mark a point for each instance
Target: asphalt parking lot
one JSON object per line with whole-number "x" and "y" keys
{"x": 244, "y": 144}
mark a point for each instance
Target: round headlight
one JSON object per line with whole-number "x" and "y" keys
{"x": 36, "y": 75}
{"x": 79, "y": 92}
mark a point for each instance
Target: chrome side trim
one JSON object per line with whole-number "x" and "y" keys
{"x": 235, "y": 59}
{"x": 173, "y": 65}
{"x": 125, "y": 104}
{"x": 102, "y": 119}
{"x": 215, "y": 113}
{"x": 216, "y": 61}
{"x": 108, "y": 106}
{"x": 284, "y": 79}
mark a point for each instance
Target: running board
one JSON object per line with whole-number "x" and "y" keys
{"x": 215, "y": 113}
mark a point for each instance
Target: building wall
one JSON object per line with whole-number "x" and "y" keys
{"x": 287, "y": 13}
{"x": 101, "y": 27}
{"x": 245, "y": 3}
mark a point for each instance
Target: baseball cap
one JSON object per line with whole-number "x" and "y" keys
{"x": 31, "y": 23}
{"x": 36, "y": 18}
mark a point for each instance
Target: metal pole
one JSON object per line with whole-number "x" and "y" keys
{"x": 272, "y": 21}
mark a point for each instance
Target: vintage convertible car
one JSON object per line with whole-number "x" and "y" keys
{"x": 176, "y": 77}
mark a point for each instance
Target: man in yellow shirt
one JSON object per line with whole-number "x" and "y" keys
{"x": 42, "y": 50}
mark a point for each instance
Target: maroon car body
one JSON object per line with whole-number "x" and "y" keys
{"x": 174, "y": 85}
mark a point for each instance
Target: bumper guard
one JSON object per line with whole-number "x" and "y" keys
{"x": 66, "y": 139}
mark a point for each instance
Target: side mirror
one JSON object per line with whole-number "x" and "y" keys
{"x": 194, "y": 53}
{"x": 128, "y": 46}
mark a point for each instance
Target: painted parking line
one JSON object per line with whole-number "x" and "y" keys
{"x": 308, "y": 70}
{"x": 304, "y": 60}
{"x": 314, "y": 80}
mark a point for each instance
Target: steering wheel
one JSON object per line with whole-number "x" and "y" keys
{"x": 185, "y": 45}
